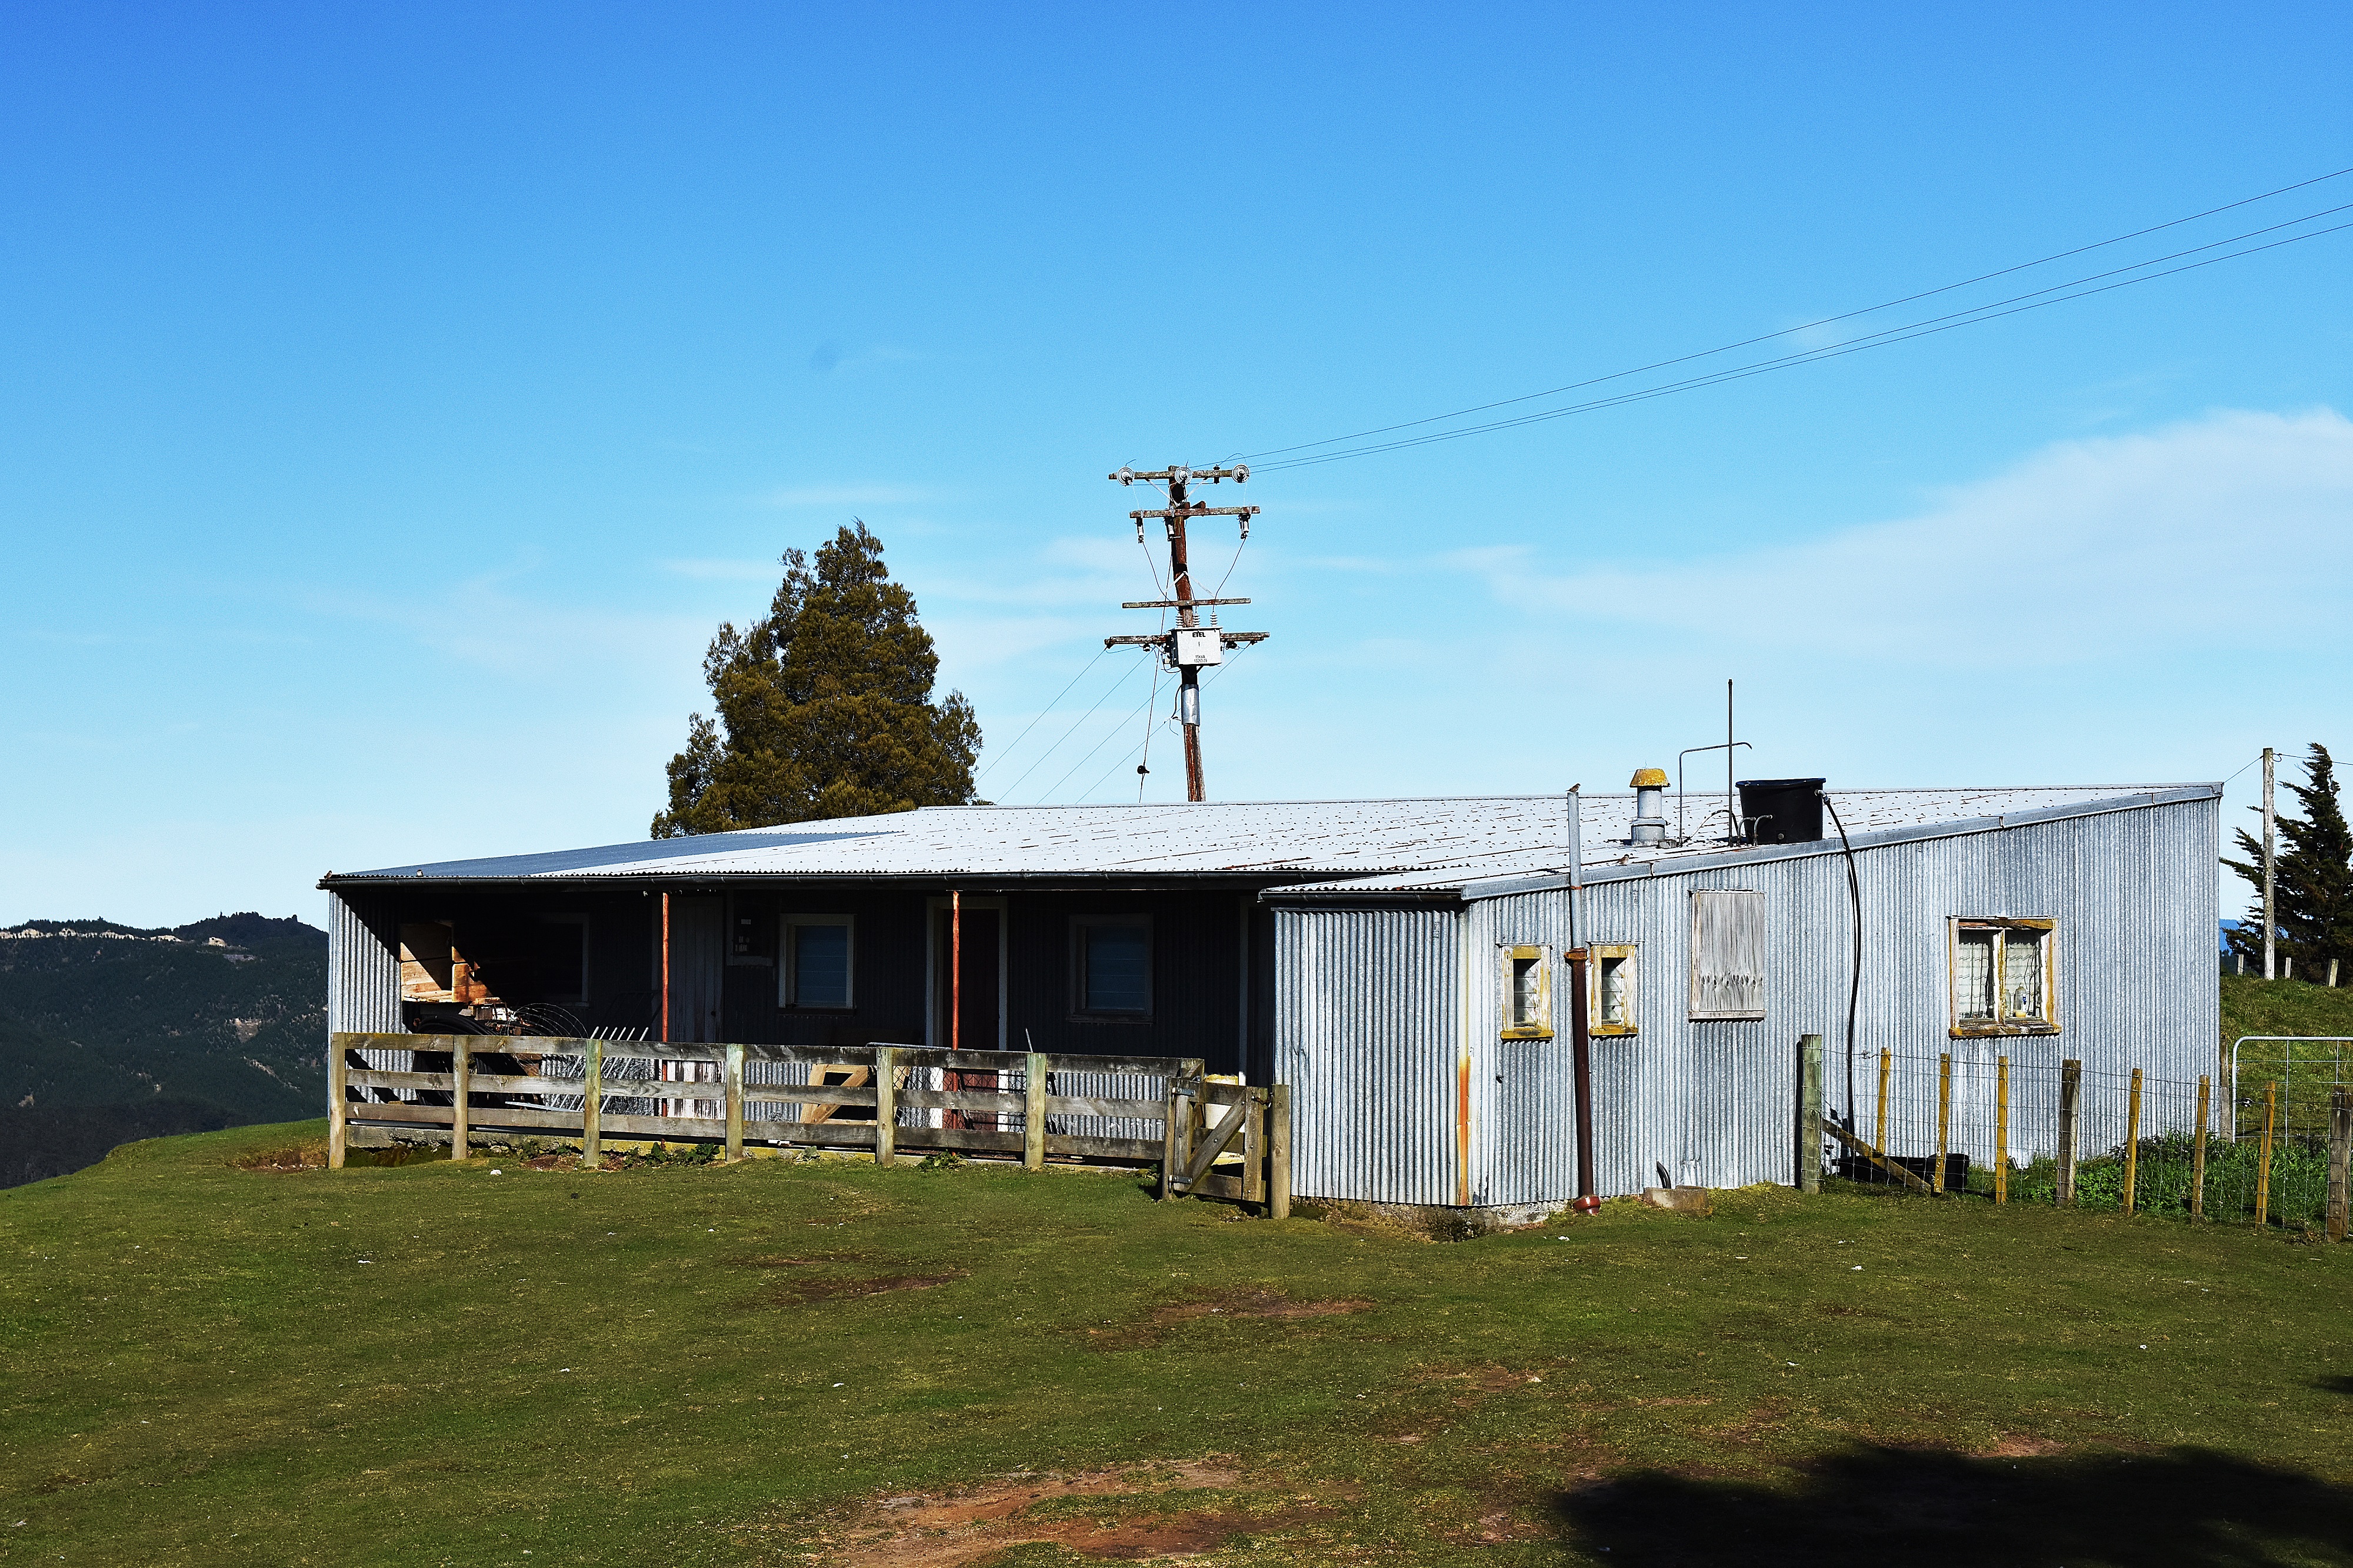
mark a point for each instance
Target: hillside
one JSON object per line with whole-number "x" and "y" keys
{"x": 109, "y": 1032}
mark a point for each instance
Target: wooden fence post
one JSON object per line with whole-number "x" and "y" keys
{"x": 1809, "y": 1133}
{"x": 2340, "y": 1145}
{"x": 1278, "y": 1173}
{"x": 2071, "y": 1084}
{"x": 2132, "y": 1146}
{"x": 886, "y": 1105}
{"x": 1175, "y": 1139}
{"x": 2002, "y": 1130}
{"x": 2263, "y": 1160}
{"x": 1944, "y": 1119}
{"x": 2198, "y": 1153}
{"x": 734, "y": 1103}
{"x": 1253, "y": 1114}
{"x": 1033, "y": 1113}
{"x": 338, "y": 1119}
{"x": 461, "y": 1072}
{"x": 1886, "y": 1064}
{"x": 592, "y": 1106}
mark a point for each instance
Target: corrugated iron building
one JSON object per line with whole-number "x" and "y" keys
{"x": 1397, "y": 963}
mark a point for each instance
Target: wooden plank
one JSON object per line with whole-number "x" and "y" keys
{"x": 1033, "y": 1113}
{"x": 1899, "y": 1172}
{"x": 1088, "y": 1105}
{"x": 886, "y": 1107}
{"x": 1172, "y": 1120}
{"x": 476, "y": 1083}
{"x": 2198, "y": 1151}
{"x": 460, "y": 1059}
{"x": 1944, "y": 1119}
{"x": 1808, "y": 1152}
{"x": 2071, "y": 1084}
{"x": 592, "y": 1106}
{"x": 1215, "y": 1186}
{"x": 1886, "y": 1065}
{"x": 1278, "y": 1155}
{"x": 734, "y": 1102}
{"x": 2132, "y": 1146}
{"x": 1253, "y": 1115}
{"x": 2002, "y": 1130}
{"x": 338, "y": 1131}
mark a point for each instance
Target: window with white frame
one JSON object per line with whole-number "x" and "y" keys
{"x": 1727, "y": 962}
{"x": 2004, "y": 973}
{"x": 820, "y": 957}
{"x": 1609, "y": 1006}
{"x": 1526, "y": 995}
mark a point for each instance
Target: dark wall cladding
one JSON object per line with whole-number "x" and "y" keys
{"x": 1198, "y": 964}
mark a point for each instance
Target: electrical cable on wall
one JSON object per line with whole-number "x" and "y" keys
{"x": 1854, "y": 985}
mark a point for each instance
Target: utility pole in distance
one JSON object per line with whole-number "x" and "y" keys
{"x": 1188, "y": 648}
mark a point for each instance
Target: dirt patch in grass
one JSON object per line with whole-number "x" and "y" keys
{"x": 800, "y": 1292}
{"x": 1251, "y": 1304}
{"x": 294, "y": 1157}
{"x": 1132, "y": 1520}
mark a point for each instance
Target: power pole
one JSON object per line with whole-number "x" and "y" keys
{"x": 1188, "y": 648}
{"x": 2271, "y": 823}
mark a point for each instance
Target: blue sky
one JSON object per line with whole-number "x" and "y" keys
{"x": 393, "y": 399}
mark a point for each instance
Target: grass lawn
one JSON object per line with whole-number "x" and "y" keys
{"x": 778, "y": 1363}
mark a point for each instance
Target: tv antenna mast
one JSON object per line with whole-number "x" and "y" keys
{"x": 1188, "y": 647}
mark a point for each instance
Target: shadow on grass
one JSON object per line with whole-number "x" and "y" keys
{"x": 2334, "y": 1384}
{"x": 1880, "y": 1508}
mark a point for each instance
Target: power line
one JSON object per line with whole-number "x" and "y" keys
{"x": 1826, "y": 321}
{"x": 1124, "y": 677}
{"x": 1876, "y": 340}
{"x": 1039, "y": 719}
{"x": 1099, "y": 745}
{"x": 1153, "y": 729}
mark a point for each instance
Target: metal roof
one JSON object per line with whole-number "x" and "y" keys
{"x": 1434, "y": 843}
{"x": 1871, "y": 817}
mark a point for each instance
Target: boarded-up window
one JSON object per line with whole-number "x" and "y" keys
{"x": 1727, "y": 966}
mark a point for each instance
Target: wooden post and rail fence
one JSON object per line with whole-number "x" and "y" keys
{"x": 1217, "y": 1139}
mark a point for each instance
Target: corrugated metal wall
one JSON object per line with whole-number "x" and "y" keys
{"x": 1373, "y": 1005}
{"x": 1368, "y": 1031}
{"x": 363, "y": 971}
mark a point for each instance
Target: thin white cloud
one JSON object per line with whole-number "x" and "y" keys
{"x": 2185, "y": 537}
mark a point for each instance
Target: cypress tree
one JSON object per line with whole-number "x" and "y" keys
{"x": 825, "y": 706}
{"x": 2312, "y": 889}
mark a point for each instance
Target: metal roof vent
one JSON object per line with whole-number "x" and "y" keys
{"x": 1649, "y": 786}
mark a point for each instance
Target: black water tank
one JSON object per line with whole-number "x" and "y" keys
{"x": 1782, "y": 811}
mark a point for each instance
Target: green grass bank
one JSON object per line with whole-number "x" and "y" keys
{"x": 432, "y": 1364}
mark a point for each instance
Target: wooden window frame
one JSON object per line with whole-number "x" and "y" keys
{"x": 1080, "y": 1012}
{"x": 1692, "y": 1009}
{"x": 1961, "y": 1028}
{"x": 1510, "y": 956}
{"x": 1625, "y": 954}
{"x": 788, "y": 978}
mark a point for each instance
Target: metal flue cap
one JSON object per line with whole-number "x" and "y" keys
{"x": 1648, "y": 778}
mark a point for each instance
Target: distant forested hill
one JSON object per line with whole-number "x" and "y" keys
{"x": 109, "y": 1032}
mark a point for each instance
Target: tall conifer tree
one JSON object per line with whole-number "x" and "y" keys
{"x": 825, "y": 706}
{"x": 2311, "y": 891}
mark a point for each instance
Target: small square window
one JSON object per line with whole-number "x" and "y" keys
{"x": 2002, "y": 974}
{"x": 1527, "y": 994}
{"x": 820, "y": 956}
{"x": 1610, "y": 1009}
{"x": 1110, "y": 965}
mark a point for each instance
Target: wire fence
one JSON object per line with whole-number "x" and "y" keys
{"x": 1978, "y": 1123}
